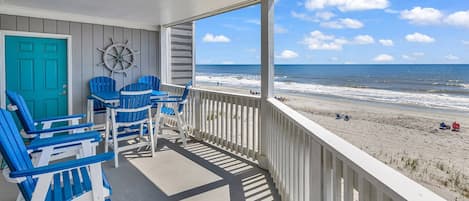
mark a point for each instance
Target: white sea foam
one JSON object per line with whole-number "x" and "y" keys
{"x": 432, "y": 100}
{"x": 464, "y": 86}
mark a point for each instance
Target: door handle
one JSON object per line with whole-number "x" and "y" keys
{"x": 64, "y": 86}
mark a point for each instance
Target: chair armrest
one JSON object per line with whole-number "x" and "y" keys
{"x": 57, "y": 167}
{"x": 59, "y": 140}
{"x": 111, "y": 106}
{"x": 61, "y": 118}
{"x": 174, "y": 97}
{"x": 167, "y": 101}
{"x": 61, "y": 129}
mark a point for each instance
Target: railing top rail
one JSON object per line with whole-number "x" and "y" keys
{"x": 251, "y": 97}
{"x": 381, "y": 175}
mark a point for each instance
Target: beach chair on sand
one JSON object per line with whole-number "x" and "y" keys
{"x": 80, "y": 179}
{"x": 131, "y": 119}
{"x": 173, "y": 107}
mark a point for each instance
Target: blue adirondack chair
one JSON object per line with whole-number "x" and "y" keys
{"x": 133, "y": 111}
{"x": 80, "y": 179}
{"x": 30, "y": 131}
{"x": 18, "y": 105}
{"x": 173, "y": 107}
{"x": 99, "y": 84}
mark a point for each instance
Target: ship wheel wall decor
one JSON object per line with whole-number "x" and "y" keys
{"x": 118, "y": 57}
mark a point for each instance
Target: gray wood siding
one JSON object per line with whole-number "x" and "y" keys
{"x": 181, "y": 53}
{"x": 86, "y": 38}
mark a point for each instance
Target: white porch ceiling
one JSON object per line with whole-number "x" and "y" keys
{"x": 143, "y": 14}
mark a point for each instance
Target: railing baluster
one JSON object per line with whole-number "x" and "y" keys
{"x": 233, "y": 123}
{"x": 327, "y": 174}
{"x": 301, "y": 165}
{"x": 227, "y": 122}
{"x": 364, "y": 189}
{"x": 307, "y": 162}
{"x": 243, "y": 138}
{"x": 304, "y": 159}
{"x": 236, "y": 125}
{"x": 348, "y": 182}
{"x": 217, "y": 122}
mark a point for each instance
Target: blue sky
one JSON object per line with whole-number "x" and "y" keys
{"x": 341, "y": 32}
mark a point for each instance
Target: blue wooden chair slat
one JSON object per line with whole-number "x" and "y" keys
{"x": 14, "y": 151}
{"x": 133, "y": 111}
{"x": 86, "y": 179}
{"x": 76, "y": 182}
{"x": 15, "y": 154}
{"x": 100, "y": 84}
{"x": 67, "y": 186}
{"x": 23, "y": 113}
{"x": 151, "y": 80}
{"x": 57, "y": 187}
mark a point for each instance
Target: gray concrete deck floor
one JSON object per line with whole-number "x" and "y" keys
{"x": 198, "y": 172}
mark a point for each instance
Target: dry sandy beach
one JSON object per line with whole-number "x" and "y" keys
{"x": 406, "y": 138}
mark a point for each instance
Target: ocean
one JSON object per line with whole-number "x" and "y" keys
{"x": 439, "y": 86}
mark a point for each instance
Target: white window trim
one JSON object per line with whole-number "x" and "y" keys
{"x": 4, "y": 33}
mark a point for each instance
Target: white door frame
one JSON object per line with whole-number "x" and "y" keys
{"x": 4, "y": 33}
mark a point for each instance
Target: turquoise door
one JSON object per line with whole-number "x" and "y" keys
{"x": 36, "y": 68}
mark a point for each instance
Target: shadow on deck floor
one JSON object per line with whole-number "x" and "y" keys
{"x": 199, "y": 172}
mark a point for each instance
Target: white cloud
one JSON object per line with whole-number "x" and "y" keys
{"x": 287, "y": 54}
{"x": 451, "y": 57}
{"x": 422, "y": 16}
{"x": 465, "y": 42}
{"x": 325, "y": 15}
{"x": 419, "y": 38}
{"x": 386, "y": 42}
{"x": 363, "y": 39}
{"x": 347, "y": 5}
{"x": 280, "y": 29}
{"x": 210, "y": 38}
{"x": 316, "y": 40}
{"x": 383, "y": 58}
{"x": 460, "y": 19}
{"x": 254, "y": 21}
{"x": 343, "y": 23}
{"x": 304, "y": 17}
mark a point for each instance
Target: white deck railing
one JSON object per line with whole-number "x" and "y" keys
{"x": 226, "y": 119}
{"x": 306, "y": 161}
{"x": 309, "y": 162}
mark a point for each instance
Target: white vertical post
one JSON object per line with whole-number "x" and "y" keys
{"x": 165, "y": 65}
{"x": 267, "y": 73}
{"x": 194, "y": 83}
{"x": 198, "y": 114}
